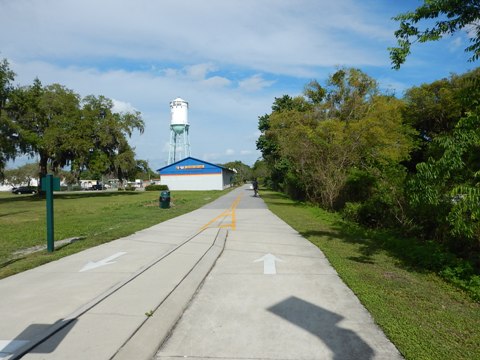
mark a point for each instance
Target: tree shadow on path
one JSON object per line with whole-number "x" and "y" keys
{"x": 344, "y": 343}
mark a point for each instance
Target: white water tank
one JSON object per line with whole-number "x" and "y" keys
{"x": 179, "y": 115}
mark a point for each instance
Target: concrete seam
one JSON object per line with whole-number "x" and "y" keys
{"x": 161, "y": 324}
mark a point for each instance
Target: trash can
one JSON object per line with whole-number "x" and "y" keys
{"x": 165, "y": 199}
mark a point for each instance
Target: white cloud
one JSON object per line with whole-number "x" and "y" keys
{"x": 229, "y": 152}
{"x": 290, "y": 37}
{"x": 210, "y": 157}
{"x": 254, "y": 83}
{"x": 473, "y": 30}
{"x": 122, "y": 107}
{"x": 199, "y": 71}
{"x": 455, "y": 44}
{"x": 217, "y": 81}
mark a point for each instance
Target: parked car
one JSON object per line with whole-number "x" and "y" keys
{"x": 97, "y": 187}
{"x": 25, "y": 190}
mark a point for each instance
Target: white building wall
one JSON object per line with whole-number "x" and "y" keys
{"x": 227, "y": 179}
{"x": 193, "y": 182}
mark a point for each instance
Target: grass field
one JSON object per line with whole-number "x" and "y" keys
{"x": 96, "y": 217}
{"x": 425, "y": 317}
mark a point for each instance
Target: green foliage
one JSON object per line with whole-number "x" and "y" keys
{"x": 434, "y": 109}
{"x": 314, "y": 92}
{"x": 451, "y": 16}
{"x": 8, "y": 146}
{"x": 268, "y": 143}
{"x": 359, "y": 186}
{"x": 142, "y": 171}
{"x": 464, "y": 217}
{"x": 350, "y": 211}
{"x": 374, "y": 212}
{"x": 348, "y": 93}
{"x": 55, "y": 124}
{"x": 243, "y": 172}
{"x": 106, "y": 132}
{"x": 462, "y": 275}
{"x": 445, "y": 192}
{"x": 353, "y": 128}
{"x": 260, "y": 170}
{"x": 374, "y": 201}
{"x": 156, "y": 187}
{"x": 287, "y": 103}
{"x": 43, "y": 118}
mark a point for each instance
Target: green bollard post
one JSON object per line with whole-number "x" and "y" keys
{"x": 49, "y": 192}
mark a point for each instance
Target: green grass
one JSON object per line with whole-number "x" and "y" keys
{"x": 424, "y": 316}
{"x": 98, "y": 217}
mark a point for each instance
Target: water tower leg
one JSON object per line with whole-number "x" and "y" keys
{"x": 173, "y": 148}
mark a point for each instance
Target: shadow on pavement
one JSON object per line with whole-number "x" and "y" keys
{"x": 344, "y": 343}
{"x": 30, "y": 340}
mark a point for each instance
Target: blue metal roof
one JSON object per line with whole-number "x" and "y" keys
{"x": 191, "y": 166}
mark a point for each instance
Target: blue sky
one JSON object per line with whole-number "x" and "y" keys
{"x": 228, "y": 59}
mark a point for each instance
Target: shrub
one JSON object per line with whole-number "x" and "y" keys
{"x": 359, "y": 186}
{"x": 350, "y": 211}
{"x": 376, "y": 212}
{"x": 156, "y": 187}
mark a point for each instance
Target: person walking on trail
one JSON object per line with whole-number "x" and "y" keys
{"x": 255, "y": 187}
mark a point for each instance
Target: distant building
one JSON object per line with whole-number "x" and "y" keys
{"x": 7, "y": 186}
{"x": 195, "y": 174}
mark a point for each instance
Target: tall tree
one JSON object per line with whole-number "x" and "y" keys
{"x": 54, "y": 124}
{"x": 312, "y": 144}
{"x": 143, "y": 171}
{"x": 101, "y": 144}
{"x": 321, "y": 154}
{"x": 43, "y": 118}
{"x": 445, "y": 191}
{"x": 280, "y": 176}
{"x": 434, "y": 110}
{"x": 260, "y": 170}
{"x": 347, "y": 94}
{"x": 8, "y": 148}
{"x": 450, "y": 15}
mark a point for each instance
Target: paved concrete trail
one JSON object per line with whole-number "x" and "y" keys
{"x": 227, "y": 281}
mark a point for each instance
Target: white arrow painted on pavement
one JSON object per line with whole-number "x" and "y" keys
{"x": 107, "y": 261}
{"x": 269, "y": 264}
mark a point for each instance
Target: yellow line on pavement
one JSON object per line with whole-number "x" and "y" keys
{"x": 229, "y": 212}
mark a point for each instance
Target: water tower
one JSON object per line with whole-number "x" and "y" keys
{"x": 179, "y": 140}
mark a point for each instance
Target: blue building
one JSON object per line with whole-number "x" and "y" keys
{"x": 195, "y": 174}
